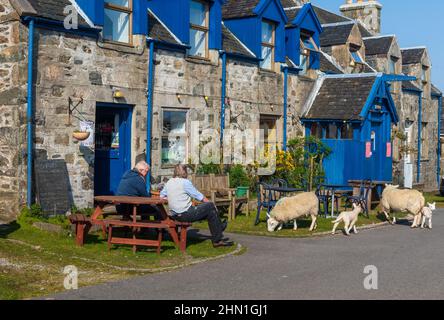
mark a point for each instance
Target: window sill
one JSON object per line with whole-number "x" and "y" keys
{"x": 267, "y": 71}
{"x": 199, "y": 60}
{"x": 122, "y": 47}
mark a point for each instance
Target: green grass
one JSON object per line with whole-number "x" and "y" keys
{"x": 32, "y": 261}
{"x": 435, "y": 197}
{"x": 245, "y": 225}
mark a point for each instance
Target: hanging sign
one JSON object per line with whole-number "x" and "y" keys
{"x": 87, "y": 126}
{"x": 389, "y": 149}
{"x": 368, "y": 150}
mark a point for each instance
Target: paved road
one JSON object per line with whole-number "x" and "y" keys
{"x": 410, "y": 265}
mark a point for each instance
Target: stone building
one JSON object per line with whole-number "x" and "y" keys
{"x": 139, "y": 74}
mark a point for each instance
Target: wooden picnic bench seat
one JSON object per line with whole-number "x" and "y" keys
{"x": 82, "y": 224}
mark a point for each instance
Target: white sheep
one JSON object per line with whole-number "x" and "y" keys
{"x": 293, "y": 208}
{"x": 406, "y": 200}
{"x": 427, "y": 213}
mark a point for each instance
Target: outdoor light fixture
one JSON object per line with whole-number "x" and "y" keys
{"x": 117, "y": 94}
{"x": 206, "y": 98}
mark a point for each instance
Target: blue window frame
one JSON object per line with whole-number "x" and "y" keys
{"x": 267, "y": 44}
{"x": 356, "y": 57}
{"x": 199, "y": 29}
{"x": 118, "y": 21}
{"x": 307, "y": 45}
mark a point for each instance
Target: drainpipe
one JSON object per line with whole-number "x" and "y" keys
{"x": 29, "y": 114}
{"x": 149, "y": 116}
{"x": 285, "y": 69}
{"x": 223, "y": 55}
{"x": 438, "y": 170}
{"x": 418, "y": 175}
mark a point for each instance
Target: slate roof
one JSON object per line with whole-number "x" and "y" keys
{"x": 231, "y": 44}
{"x": 239, "y": 9}
{"x": 336, "y": 34}
{"x": 156, "y": 30}
{"x": 364, "y": 31}
{"x": 324, "y": 16}
{"x": 378, "y": 45}
{"x": 53, "y": 10}
{"x": 412, "y": 56}
{"x": 341, "y": 98}
{"x": 436, "y": 91}
{"x": 327, "y": 66}
{"x": 410, "y": 85}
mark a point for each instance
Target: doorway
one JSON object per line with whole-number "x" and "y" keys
{"x": 112, "y": 147}
{"x": 408, "y": 163}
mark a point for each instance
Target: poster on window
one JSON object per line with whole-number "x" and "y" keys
{"x": 89, "y": 127}
{"x": 389, "y": 149}
{"x": 368, "y": 150}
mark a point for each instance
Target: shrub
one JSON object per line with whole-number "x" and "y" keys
{"x": 239, "y": 177}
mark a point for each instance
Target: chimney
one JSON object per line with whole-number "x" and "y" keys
{"x": 367, "y": 12}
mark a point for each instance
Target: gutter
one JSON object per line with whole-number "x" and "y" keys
{"x": 418, "y": 173}
{"x": 29, "y": 112}
{"x": 223, "y": 55}
{"x": 149, "y": 116}
{"x": 438, "y": 167}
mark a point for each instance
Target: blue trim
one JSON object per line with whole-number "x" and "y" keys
{"x": 284, "y": 147}
{"x": 29, "y": 113}
{"x": 222, "y": 102}
{"x": 58, "y": 26}
{"x": 263, "y": 5}
{"x": 306, "y": 9}
{"x": 149, "y": 116}
{"x": 438, "y": 169}
{"x": 418, "y": 173}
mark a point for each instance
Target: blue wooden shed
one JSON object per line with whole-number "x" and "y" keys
{"x": 353, "y": 115}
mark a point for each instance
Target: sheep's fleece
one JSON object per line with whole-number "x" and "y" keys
{"x": 404, "y": 200}
{"x": 292, "y": 208}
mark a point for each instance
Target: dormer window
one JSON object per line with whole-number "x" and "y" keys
{"x": 392, "y": 65}
{"x": 118, "y": 17}
{"x": 267, "y": 45}
{"x": 307, "y": 46}
{"x": 424, "y": 74}
{"x": 199, "y": 29}
{"x": 356, "y": 58}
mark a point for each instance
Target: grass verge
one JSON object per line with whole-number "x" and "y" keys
{"x": 32, "y": 261}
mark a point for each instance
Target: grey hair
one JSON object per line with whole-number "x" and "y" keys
{"x": 141, "y": 165}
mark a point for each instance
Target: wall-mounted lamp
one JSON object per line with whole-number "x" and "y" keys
{"x": 117, "y": 94}
{"x": 206, "y": 100}
{"x": 306, "y": 52}
{"x": 179, "y": 97}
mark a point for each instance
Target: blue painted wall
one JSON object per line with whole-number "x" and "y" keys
{"x": 249, "y": 30}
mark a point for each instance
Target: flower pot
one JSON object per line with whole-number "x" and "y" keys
{"x": 241, "y": 191}
{"x": 81, "y": 135}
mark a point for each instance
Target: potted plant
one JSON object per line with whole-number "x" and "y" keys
{"x": 81, "y": 135}
{"x": 239, "y": 180}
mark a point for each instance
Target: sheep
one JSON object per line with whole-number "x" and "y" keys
{"x": 395, "y": 199}
{"x": 350, "y": 218}
{"x": 427, "y": 213}
{"x": 292, "y": 208}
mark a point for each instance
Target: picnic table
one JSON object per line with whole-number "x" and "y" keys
{"x": 375, "y": 192}
{"x": 178, "y": 236}
{"x": 337, "y": 192}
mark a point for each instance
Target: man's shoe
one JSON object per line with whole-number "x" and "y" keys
{"x": 222, "y": 244}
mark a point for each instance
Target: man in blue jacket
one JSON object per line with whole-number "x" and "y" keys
{"x": 133, "y": 184}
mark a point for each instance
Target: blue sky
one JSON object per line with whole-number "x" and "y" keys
{"x": 416, "y": 23}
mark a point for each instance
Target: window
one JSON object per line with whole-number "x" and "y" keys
{"x": 267, "y": 45}
{"x": 316, "y": 130}
{"x": 356, "y": 58}
{"x": 307, "y": 46}
{"x": 392, "y": 65}
{"x": 424, "y": 74}
{"x": 268, "y": 125}
{"x": 424, "y": 141}
{"x": 347, "y": 131}
{"x": 174, "y": 137}
{"x": 118, "y": 16}
{"x": 332, "y": 131}
{"x": 199, "y": 29}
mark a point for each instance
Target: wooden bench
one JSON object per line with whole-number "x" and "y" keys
{"x": 82, "y": 224}
{"x": 217, "y": 189}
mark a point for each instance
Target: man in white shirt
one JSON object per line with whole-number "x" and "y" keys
{"x": 180, "y": 191}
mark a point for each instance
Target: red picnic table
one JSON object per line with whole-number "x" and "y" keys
{"x": 176, "y": 229}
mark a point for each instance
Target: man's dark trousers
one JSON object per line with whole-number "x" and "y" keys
{"x": 204, "y": 211}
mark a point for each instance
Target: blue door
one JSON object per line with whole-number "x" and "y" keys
{"x": 113, "y": 147}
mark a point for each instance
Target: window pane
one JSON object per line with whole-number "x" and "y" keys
{"x": 173, "y": 150}
{"x": 267, "y": 32}
{"x": 197, "y": 43}
{"x": 120, "y": 3}
{"x": 269, "y": 128}
{"x": 347, "y": 132}
{"x": 316, "y": 130}
{"x": 303, "y": 64}
{"x": 332, "y": 131}
{"x": 198, "y": 13}
{"x": 392, "y": 67}
{"x": 117, "y": 26}
{"x": 174, "y": 122}
{"x": 309, "y": 43}
{"x": 356, "y": 57}
{"x": 267, "y": 56}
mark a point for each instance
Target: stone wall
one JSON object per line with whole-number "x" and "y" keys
{"x": 13, "y": 80}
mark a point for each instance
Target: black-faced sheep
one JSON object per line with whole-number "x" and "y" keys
{"x": 293, "y": 208}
